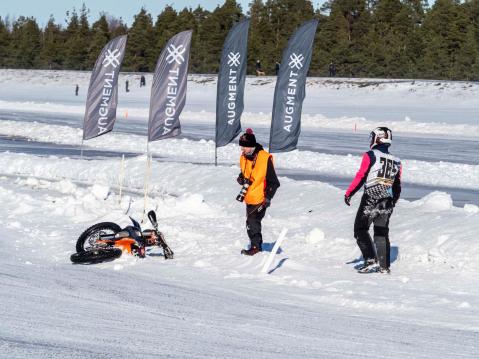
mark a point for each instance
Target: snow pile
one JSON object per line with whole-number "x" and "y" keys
{"x": 100, "y": 192}
{"x": 420, "y": 107}
{"x": 471, "y": 208}
{"x": 315, "y": 237}
{"x": 435, "y": 202}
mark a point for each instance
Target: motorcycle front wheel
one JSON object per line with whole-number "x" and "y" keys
{"x": 88, "y": 239}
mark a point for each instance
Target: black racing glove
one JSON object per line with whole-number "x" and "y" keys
{"x": 266, "y": 203}
{"x": 347, "y": 200}
{"x": 240, "y": 179}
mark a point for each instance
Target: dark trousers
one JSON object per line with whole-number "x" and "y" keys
{"x": 377, "y": 212}
{"x": 253, "y": 224}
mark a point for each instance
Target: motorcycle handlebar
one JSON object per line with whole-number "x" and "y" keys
{"x": 125, "y": 234}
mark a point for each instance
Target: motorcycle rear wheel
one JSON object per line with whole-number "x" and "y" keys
{"x": 93, "y": 256}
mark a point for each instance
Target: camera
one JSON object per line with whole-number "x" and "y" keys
{"x": 244, "y": 189}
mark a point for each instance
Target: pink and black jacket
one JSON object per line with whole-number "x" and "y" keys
{"x": 380, "y": 174}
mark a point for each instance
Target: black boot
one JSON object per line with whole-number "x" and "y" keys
{"x": 384, "y": 270}
{"x": 252, "y": 251}
{"x": 367, "y": 266}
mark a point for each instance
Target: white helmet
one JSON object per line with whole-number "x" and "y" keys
{"x": 380, "y": 135}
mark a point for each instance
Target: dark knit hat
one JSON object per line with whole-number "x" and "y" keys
{"x": 247, "y": 139}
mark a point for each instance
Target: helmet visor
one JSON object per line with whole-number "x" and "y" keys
{"x": 372, "y": 139}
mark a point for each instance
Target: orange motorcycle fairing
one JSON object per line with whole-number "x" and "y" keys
{"x": 125, "y": 244}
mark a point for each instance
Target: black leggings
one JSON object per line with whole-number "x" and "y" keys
{"x": 253, "y": 224}
{"x": 377, "y": 212}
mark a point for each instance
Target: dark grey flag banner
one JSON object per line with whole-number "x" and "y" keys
{"x": 168, "y": 91}
{"x": 102, "y": 98}
{"x": 231, "y": 79}
{"x": 290, "y": 89}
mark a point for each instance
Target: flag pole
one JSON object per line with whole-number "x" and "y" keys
{"x": 147, "y": 183}
{"x": 122, "y": 176}
{"x": 147, "y": 178}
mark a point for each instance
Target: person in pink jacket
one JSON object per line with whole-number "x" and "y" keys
{"x": 380, "y": 175}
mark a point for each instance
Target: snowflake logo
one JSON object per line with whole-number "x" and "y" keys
{"x": 111, "y": 58}
{"x": 296, "y": 61}
{"x": 175, "y": 54}
{"x": 234, "y": 59}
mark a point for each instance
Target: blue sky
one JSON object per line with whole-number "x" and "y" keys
{"x": 41, "y": 9}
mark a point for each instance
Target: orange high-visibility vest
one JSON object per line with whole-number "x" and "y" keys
{"x": 256, "y": 175}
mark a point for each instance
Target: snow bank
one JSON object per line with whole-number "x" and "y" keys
{"x": 204, "y": 197}
{"x": 408, "y": 106}
{"x": 252, "y": 119}
{"x": 442, "y": 174}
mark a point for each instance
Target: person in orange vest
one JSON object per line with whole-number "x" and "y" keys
{"x": 259, "y": 184}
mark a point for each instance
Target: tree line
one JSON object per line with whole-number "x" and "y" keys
{"x": 363, "y": 38}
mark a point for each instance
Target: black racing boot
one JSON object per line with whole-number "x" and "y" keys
{"x": 368, "y": 266}
{"x": 252, "y": 251}
{"x": 384, "y": 270}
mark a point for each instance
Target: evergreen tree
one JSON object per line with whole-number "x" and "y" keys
{"x": 26, "y": 43}
{"x": 116, "y": 27}
{"x": 78, "y": 40}
{"x": 4, "y": 44}
{"x": 51, "y": 55}
{"x": 319, "y": 63}
{"x": 285, "y": 17}
{"x": 449, "y": 37}
{"x": 325, "y": 42}
{"x": 471, "y": 8}
{"x": 187, "y": 21}
{"x": 261, "y": 33}
{"x": 395, "y": 41}
{"x": 466, "y": 65}
{"x": 215, "y": 28}
{"x": 344, "y": 36}
{"x": 386, "y": 48}
{"x": 140, "y": 54}
{"x": 100, "y": 37}
{"x": 380, "y": 38}
{"x": 166, "y": 26}
{"x": 415, "y": 11}
{"x": 198, "y": 50}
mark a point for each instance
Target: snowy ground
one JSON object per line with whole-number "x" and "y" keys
{"x": 209, "y": 301}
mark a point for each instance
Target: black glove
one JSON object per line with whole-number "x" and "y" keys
{"x": 347, "y": 200}
{"x": 266, "y": 203}
{"x": 240, "y": 179}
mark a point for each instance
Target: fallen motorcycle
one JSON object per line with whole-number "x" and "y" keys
{"x": 107, "y": 241}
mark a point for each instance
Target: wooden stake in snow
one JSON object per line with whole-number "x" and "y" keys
{"x": 270, "y": 259}
{"x": 147, "y": 183}
{"x": 81, "y": 149}
{"x": 121, "y": 176}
